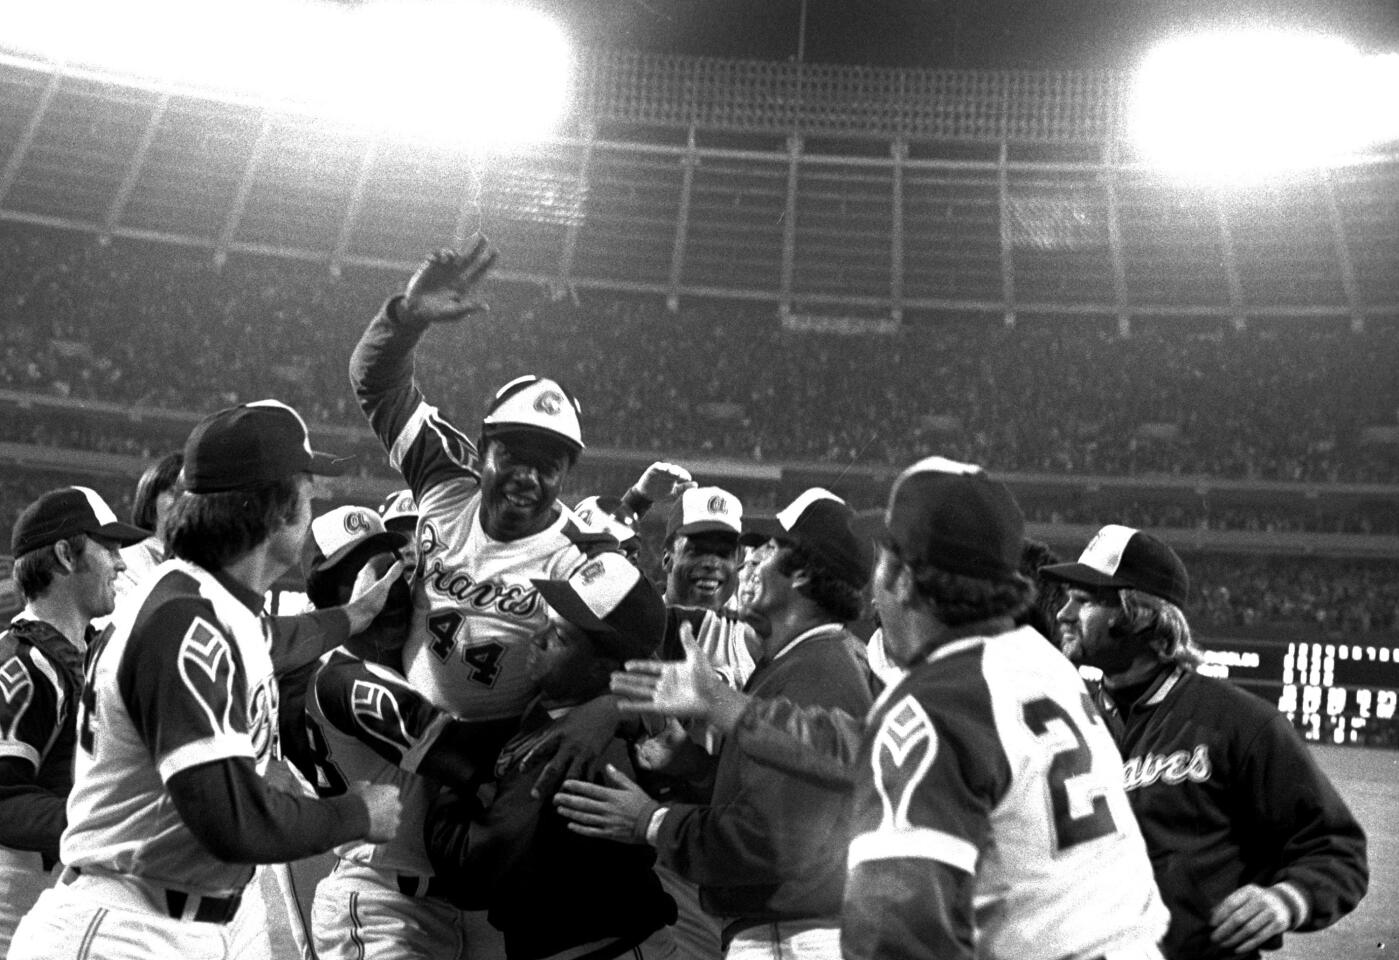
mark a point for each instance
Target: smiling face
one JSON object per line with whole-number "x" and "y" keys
{"x": 701, "y": 568}
{"x": 95, "y": 577}
{"x": 522, "y": 474}
{"x": 564, "y": 663}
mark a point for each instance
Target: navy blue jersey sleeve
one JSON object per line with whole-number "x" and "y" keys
{"x": 178, "y": 679}
{"x": 422, "y": 444}
{"x": 32, "y": 815}
{"x": 381, "y": 710}
{"x": 35, "y": 711}
{"x": 1321, "y": 848}
{"x": 299, "y": 640}
{"x": 227, "y": 805}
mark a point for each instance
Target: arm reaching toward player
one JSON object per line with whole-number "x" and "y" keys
{"x": 691, "y": 688}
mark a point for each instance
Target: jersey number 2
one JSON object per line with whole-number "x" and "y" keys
{"x": 1070, "y": 762}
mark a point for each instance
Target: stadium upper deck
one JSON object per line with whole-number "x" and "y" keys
{"x": 837, "y": 192}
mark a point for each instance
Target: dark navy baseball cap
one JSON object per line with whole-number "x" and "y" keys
{"x": 64, "y": 513}
{"x": 1121, "y": 557}
{"x": 955, "y": 517}
{"x": 824, "y": 524}
{"x": 613, "y": 603}
{"x": 251, "y": 444}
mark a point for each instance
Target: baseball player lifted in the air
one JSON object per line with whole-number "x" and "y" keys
{"x": 67, "y": 561}
{"x": 990, "y": 819}
{"x": 169, "y": 809}
{"x": 1247, "y": 836}
{"x": 488, "y": 518}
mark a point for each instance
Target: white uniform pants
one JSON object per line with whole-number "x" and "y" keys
{"x": 787, "y": 940}
{"x": 359, "y": 913}
{"x": 96, "y": 917}
{"x": 22, "y": 879}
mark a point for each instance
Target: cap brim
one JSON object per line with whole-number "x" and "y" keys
{"x": 493, "y": 428}
{"x": 567, "y": 604}
{"x": 123, "y": 533}
{"x": 707, "y": 526}
{"x": 369, "y": 546}
{"x": 1082, "y": 575}
{"x": 759, "y": 530}
{"x": 325, "y": 465}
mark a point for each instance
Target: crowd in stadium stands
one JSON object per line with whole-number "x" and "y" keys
{"x": 160, "y": 326}
{"x": 1330, "y": 595}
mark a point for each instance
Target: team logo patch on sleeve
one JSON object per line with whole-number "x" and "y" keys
{"x": 377, "y": 715}
{"x": 16, "y": 693}
{"x": 206, "y": 667}
{"x": 904, "y": 751}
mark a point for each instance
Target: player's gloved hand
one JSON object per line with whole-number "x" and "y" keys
{"x": 663, "y": 481}
{"x": 1249, "y": 916}
{"x": 443, "y": 289}
{"x": 691, "y": 688}
{"x": 573, "y": 746}
{"x": 620, "y": 812}
{"x": 385, "y": 809}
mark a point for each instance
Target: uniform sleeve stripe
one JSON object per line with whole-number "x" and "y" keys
{"x": 208, "y": 750}
{"x": 411, "y": 428}
{"x": 913, "y": 844}
{"x": 44, "y": 666}
{"x": 415, "y": 755}
{"x": 17, "y": 748}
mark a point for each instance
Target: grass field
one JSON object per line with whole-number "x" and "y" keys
{"x": 1369, "y": 780}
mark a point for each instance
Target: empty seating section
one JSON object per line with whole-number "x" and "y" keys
{"x": 629, "y": 221}
{"x": 952, "y": 235}
{"x": 842, "y": 243}
{"x": 867, "y": 213}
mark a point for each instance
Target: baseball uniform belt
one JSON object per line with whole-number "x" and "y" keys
{"x": 134, "y": 893}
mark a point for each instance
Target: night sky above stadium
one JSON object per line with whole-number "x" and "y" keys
{"x": 968, "y": 34}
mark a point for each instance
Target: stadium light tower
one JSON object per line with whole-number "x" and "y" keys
{"x": 475, "y": 73}
{"x": 1237, "y": 106}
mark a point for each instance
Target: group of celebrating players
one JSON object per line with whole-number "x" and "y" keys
{"x": 496, "y": 714}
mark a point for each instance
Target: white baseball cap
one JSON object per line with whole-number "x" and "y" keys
{"x": 537, "y": 404}
{"x": 705, "y": 509}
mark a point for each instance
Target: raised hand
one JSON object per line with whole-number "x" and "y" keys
{"x": 663, "y": 481}
{"x": 443, "y": 289}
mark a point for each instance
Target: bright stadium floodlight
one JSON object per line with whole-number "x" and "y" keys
{"x": 455, "y": 71}
{"x": 1234, "y": 106}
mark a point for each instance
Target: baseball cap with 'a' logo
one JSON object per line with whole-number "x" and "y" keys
{"x": 538, "y": 405}
{"x": 609, "y": 599}
{"x": 705, "y": 509}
